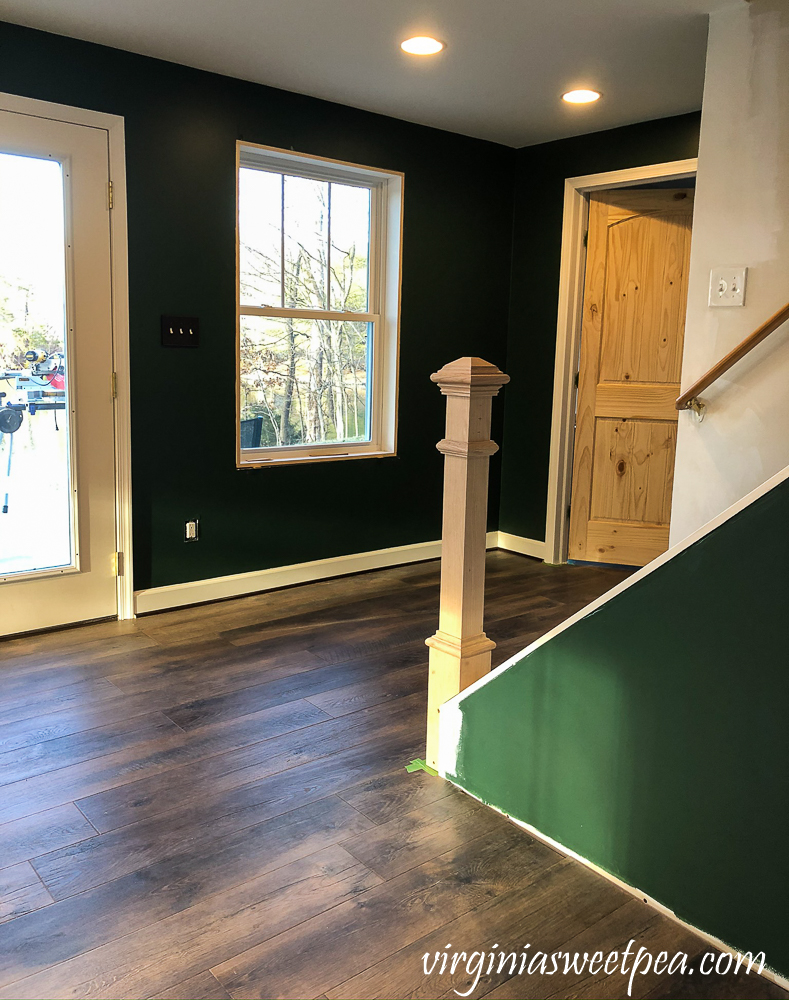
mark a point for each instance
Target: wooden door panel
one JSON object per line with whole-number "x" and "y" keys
{"x": 633, "y": 470}
{"x": 626, "y": 544}
{"x": 639, "y": 399}
{"x": 645, "y": 299}
{"x": 631, "y": 354}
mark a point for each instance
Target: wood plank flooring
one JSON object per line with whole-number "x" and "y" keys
{"x": 212, "y": 802}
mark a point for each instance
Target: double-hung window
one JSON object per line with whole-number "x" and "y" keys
{"x": 318, "y": 300}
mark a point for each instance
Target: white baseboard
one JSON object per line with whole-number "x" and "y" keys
{"x": 199, "y": 591}
{"x": 524, "y": 546}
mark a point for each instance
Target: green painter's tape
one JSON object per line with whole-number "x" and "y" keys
{"x": 420, "y": 765}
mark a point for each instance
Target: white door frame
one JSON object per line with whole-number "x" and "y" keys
{"x": 114, "y": 126}
{"x": 568, "y": 333}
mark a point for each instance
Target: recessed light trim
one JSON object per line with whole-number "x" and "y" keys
{"x": 581, "y": 96}
{"x": 421, "y": 45}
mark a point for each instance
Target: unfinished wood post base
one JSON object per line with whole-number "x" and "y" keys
{"x": 460, "y": 650}
{"x": 454, "y": 665}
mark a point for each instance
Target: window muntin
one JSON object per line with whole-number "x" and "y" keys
{"x": 318, "y": 291}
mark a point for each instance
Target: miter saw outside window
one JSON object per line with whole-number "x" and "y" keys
{"x": 41, "y": 385}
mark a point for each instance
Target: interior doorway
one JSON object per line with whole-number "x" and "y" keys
{"x": 632, "y": 335}
{"x": 619, "y": 352}
{"x": 62, "y": 441}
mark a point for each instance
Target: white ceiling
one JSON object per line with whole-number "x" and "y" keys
{"x": 501, "y": 76}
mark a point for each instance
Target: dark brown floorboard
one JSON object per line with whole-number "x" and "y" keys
{"x": 212, "y": 803}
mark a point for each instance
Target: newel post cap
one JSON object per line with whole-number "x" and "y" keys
{"x": 468, "y": 375}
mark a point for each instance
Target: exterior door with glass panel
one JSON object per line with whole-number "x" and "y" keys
{"x": 57, "y": 475}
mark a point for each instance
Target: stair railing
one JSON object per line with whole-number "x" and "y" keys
{"x": 689, "y": 400}
{"x": 460, "y": 650}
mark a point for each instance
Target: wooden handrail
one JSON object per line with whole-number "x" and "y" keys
{"x": 686, "y": 400}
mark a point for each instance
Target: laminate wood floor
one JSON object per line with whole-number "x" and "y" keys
{"x": 212, "y": 802}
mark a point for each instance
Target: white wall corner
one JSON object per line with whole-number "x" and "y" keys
{"x": 744, "y": 139}
{"x": 450, "y": 724}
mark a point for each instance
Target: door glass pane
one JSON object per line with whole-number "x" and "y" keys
{"x": 36, "y": 523}
{"x": 304, "y": 382}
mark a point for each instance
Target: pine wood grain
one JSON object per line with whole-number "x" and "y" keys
{"x": 618, "y": 541}
{"x": 633, "y": 475}
{"x": 635, "y": 298}
{"x": 649, "y": 401}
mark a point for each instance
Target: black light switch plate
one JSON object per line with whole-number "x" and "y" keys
{"x": 180, "y": 331}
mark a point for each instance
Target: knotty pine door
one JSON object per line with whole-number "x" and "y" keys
{"x": 633, "y": 329}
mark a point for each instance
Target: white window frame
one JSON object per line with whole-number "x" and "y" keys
{"x": 385, "y": 264}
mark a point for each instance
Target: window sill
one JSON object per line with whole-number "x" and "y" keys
{"x": 258, "y": 463}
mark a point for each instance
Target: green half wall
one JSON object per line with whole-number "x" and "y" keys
{"x": 651, "y": 737}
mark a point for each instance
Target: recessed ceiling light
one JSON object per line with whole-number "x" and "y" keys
{"x": 581, "y": 96}
{"x": 421, "y": 45}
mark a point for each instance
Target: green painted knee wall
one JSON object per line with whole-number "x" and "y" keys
{"x": 652, "y": 737}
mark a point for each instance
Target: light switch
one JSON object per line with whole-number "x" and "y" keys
{"x": 180, "y": 331}
{"x": 727, "y": 286}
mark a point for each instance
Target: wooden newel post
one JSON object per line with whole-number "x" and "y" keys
{"x": 460, "y": 650}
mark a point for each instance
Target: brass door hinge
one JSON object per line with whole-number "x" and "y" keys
{"x": 109, "y": 195}
{"x": 117, "y": 561}
{"x": 114, "y": 385}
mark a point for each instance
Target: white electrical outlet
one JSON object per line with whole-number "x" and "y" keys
{"x": 191, "y": 531}
{"x": 727, "y": 286}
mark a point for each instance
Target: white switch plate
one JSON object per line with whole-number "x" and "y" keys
{"x": 727, "y": 286}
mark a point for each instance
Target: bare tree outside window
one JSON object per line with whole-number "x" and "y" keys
{"x": 304, "y": 245}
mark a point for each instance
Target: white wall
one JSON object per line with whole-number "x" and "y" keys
{"x": 741, "y": 218}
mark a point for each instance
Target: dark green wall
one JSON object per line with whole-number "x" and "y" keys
{"x": 651, "y": 737}
{"x": 540, "y": 174}
{"x": 459, "y": 264}
{"x": 181, "y": 129}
